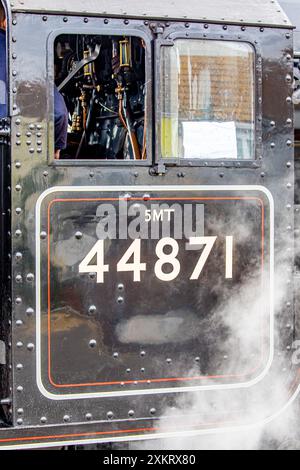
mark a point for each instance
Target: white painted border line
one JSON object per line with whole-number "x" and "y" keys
{"x": 103, "y": 189}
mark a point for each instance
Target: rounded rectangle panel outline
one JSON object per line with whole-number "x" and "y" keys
{"x": 149, "y": 189}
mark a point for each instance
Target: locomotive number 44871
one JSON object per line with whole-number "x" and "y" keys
{"x": 167, "y": 250}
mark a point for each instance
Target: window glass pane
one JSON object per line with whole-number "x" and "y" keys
{"x": 207, "y": 98}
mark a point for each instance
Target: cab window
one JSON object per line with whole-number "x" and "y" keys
{"x": 207, "y": 95}
{"x": 102, "y": 81}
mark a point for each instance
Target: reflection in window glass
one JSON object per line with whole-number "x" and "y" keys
{"x": 207, "y": 100}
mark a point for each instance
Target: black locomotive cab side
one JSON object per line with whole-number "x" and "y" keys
{"x": 147, "y": 235}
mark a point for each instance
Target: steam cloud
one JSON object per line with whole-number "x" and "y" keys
{"x": 240, "y": 314}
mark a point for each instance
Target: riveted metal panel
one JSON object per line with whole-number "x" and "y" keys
{"x": 40, "y": 415}
{"x": 292, "y": 9}
{"x": 265, "y": 12}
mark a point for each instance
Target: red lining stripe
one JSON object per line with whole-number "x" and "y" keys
{"x": 180, "y": 379}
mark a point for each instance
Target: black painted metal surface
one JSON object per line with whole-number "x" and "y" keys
{"x": 292, "y": 9}
{"x": 107, "y": 372}
{"x": 257, "y": 12}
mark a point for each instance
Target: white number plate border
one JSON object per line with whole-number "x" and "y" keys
{"x": 147, "y": 189}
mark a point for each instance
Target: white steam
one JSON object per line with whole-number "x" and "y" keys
{"x": 243, "y": 311}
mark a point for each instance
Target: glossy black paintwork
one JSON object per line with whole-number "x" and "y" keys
{"x": 220, "y": 11}
{"x": 172, "y": 322}
{"x": 292, "y": 9}
{"x": 31, "y": 77}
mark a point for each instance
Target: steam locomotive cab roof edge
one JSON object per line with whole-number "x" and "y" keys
{"x": 255, "y": 13}
{"x": 98, "y": 348}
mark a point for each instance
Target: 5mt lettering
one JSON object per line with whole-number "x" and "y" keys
{"x": 169, "y": 258}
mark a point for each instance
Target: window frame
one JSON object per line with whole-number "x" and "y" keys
{"x": 254, "y": 162}
{"x": 101, "y": 31}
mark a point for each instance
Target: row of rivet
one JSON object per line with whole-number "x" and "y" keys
{"x": 19, "y": 256}
{"x": 106, "y": 21}
{"x": 88, "y": 416}
{"x": 29, "y": 277}
{"x": 289, "y": 165}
